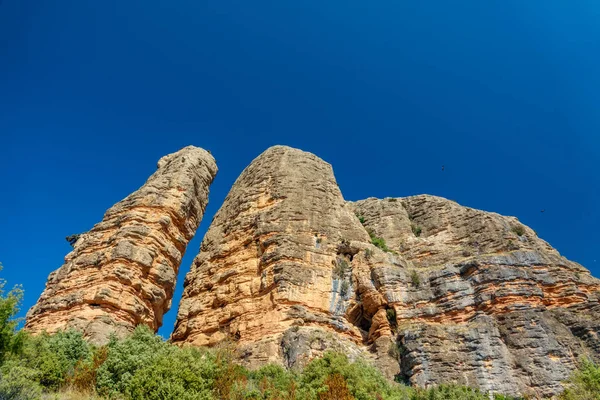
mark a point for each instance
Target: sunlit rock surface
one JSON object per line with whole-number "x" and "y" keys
{"x": 123, "y": 271}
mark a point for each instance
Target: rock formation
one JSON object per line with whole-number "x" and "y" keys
{"x": 427, "y": 290}
{"x": 479, "y": 299}
{"x": 123, "y": 271}
{"x": 264, "y": 272}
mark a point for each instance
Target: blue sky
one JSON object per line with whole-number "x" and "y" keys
{"x": 505, "y": 94}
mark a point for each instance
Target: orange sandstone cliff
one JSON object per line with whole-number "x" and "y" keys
{"x": 123, "y": 271}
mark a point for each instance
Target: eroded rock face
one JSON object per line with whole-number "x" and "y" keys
{"x": 268, "y": 275}
{"x": 123, "y": 271}
{"x": 479, "y": 299}
{"x": 288, "y": 269}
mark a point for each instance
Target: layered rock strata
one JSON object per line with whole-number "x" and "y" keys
{"x": 480, "y": 299}
{"x": 425, "y": 289}
{"x": 123, "y": 271}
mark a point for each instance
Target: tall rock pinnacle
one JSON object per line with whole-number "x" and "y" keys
{"x": 123, "y": 271}
{"x": 266, "y": 262}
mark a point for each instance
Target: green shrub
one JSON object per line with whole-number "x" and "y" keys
{"x": 378, "y": 242}
{"x": 416, "y": 229}
{"x": 143, "y": 366}
{"x": 519, "y": 230}
{"x": 272, "y": 382}
{"x": 54, "y": 356}
{"x": 125, "y": 357}
{"x": 449, "y": 392}
{"x": 363, "y": 381}
{"x": 174, "y": 373}
{"x": 584, "y": 384}
{"x": 360, "y": 218}
{"x": 18, "y": 382}
{"x": 415, "y": 280}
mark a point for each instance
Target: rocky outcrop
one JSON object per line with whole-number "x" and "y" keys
{"x": 425, "y": 289}
{"x": 123, "y": 271}
{"x": 479, "y": 299}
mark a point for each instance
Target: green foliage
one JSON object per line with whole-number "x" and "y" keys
{"x": 519, "y": 230}
{"x": 19, "y": 382}
{"x": 363, "y": 381}
{"x": 415, "y": 279}
{"x": 125, "y": 357}
{"x": 54, "y": 356}
{"x": 174, "y": 373}
{"x": 416, "y": 229}
{"x": 11, "y": 341}
{"x": 379, "y": 242}
{"x": 584, "y": 384}
{"x": 450, "y": 392}
{"x": 360, "y": 218}
{"x": 272, "y": 382}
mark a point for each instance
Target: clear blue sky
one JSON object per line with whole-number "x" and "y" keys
{"x": 505, "y": 94}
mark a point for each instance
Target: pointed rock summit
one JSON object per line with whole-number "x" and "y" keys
{"x": 122, "y": 272}
{"x": 266, "y": 271}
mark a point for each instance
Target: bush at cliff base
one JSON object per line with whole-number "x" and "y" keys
{"x": 126, "y": 357}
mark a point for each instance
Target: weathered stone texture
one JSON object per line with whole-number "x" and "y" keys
{"x": 288, "y": 269}
{"x": 123, "y": 271}
{"x": 479, "y": 299}
{"x": 271, "y": 271}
